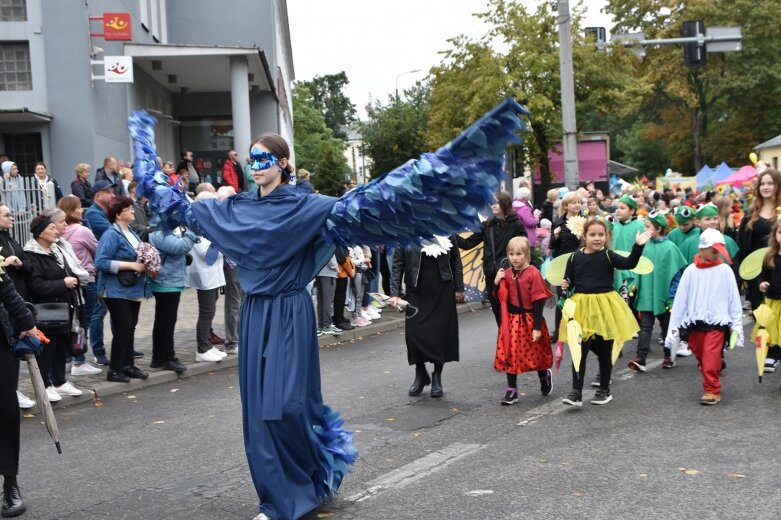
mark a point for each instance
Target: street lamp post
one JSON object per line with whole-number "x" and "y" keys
{"x": 400, "y": 75}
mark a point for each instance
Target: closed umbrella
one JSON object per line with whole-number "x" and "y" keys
{"x": 28, "y": 348}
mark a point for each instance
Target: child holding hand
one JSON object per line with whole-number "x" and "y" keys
{"x": 523, "y": 344}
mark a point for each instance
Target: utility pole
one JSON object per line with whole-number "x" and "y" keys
{"x": 568, "y": 122}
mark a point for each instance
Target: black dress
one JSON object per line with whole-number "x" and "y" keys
{"x": 432, "y": 332}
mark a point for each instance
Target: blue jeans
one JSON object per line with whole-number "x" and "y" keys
{"x": 96, "y": 328}
{"x": 90, "y": 301}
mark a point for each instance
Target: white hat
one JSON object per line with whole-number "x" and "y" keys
{"x": 713, "y": 238}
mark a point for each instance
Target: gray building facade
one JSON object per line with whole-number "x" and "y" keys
{"x": 214, "y": 73}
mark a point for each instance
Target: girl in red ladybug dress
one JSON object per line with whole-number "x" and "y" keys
{"x": 523, "y": 344}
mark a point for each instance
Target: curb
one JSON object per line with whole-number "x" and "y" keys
{"x": 95, "y": 392}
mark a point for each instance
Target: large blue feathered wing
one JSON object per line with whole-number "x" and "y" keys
{"x": 438, "y": 194}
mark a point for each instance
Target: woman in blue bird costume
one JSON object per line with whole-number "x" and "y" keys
{"x": 297, "y": 450}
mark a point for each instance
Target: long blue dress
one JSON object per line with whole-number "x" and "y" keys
{"x": 288, "y": 432}
{"x": 297, "y": 451}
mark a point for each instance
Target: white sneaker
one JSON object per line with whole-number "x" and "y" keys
{"x": 85, "y": 369}
{"x": 770, "y": 365}
{"x": 372, "y": 313}
{"x": 365, "y": 315}
{"x": 24, "y": 401}
{"x": 683, "y": 350}
{"x": 68, "y": 389}
{"x": 261, "y": 516}
{"x": 220, "y": 353}
{"x": 208, "y": 357}
{"x": 232, "y": 350}
{"x": 52, "y": 394}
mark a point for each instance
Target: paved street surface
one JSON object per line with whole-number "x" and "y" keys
{"x": 174, "y": 450}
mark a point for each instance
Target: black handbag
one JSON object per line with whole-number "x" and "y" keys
{"x": 52, "y": 315}
{"x": 128, "y": 278}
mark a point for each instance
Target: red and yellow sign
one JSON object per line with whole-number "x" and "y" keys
{"x": 117, "y": 26}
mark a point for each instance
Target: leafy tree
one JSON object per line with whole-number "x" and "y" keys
{"x": 474, "y": 77}
{"x": 317, "y": 150}
{"x": 720, "y": 111}
{"x": 328, "y": 98}
{"x": 396, "y": 130}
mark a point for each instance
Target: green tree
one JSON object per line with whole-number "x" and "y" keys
{"x": 396, "y": 130}
{"x": 317, "y": 150}
{"x": 328, "y": 97}
{"x": 474, "y": 77}
{"x": 722, "y": 110}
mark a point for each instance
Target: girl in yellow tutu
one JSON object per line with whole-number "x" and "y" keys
{"x": 603, "y": 315}
{"x": 769, "y": 283}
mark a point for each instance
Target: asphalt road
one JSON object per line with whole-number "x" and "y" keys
{"x": 175, "y": 451}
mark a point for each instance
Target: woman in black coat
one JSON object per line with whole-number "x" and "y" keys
{"x": 434, "y": 282}
{"x": 49, "y": 280}
{"x": 14, "y": 315}
{"x": 494, "y": 236}
{"x": 563, "y": 240}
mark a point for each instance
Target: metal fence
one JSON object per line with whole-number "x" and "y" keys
{"x": 25, "y": 197}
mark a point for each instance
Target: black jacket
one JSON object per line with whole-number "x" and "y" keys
{"x": 494, "y": 236}
{"x": 82, "y": 190}
{"x": 119, "y": 187}
{"x": 406, "y": 265}
{"x": 566, "y": 242}
{"x": 11, "y": 247}
{"x": 46, "y": 280}
{"x": 14, "y": 314}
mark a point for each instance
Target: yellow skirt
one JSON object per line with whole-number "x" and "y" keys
{"x": 774, "y": 329}
{"x": 605, "y": 314}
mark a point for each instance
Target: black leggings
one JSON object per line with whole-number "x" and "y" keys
{"x": 512, "y": 379}
{"x": 124, "y": 316}
{"x": 9, "y": 412}
{"x": 166, "y": 309}
{"x": 604, "y": 351}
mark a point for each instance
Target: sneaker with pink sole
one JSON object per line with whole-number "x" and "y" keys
{"x": 360, "y": 321}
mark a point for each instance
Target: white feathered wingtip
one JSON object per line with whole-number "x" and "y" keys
{"x": 438, "y": 245}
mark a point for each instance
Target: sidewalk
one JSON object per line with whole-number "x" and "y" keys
{"x": 96, "y": 387}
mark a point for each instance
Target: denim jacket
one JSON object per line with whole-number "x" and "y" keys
{"x": 112, "y": 249}
{"x": 173, "y": 248}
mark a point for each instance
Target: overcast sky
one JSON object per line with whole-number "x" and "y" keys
{"x": 376, "y": 41}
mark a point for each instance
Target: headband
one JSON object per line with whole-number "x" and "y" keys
{"x": 38, "y": 229}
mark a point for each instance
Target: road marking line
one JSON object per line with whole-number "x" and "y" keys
{"x": 416, "y": 470}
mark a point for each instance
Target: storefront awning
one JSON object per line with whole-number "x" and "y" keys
{"x": 199, "y": 68}
{"x": 23, "y": 115}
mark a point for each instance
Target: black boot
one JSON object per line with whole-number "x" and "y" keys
{"x": 422, "y": 380}
{"x": 436, "y": 384}
{"x": 13, "y": 505}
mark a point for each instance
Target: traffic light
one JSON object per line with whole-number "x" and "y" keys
{"x": 599, "y": 34}
{"x": 693, "y": 53}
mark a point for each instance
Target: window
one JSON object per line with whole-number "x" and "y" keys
{"x": 15, "y": 66}
{"x": 13, "y": 10}
{"x": 25, "y": 150}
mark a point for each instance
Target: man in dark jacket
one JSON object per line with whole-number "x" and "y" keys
{"x": 110, "y": 173}
{"x": 187, "y": 164}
